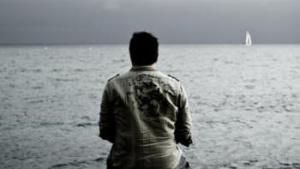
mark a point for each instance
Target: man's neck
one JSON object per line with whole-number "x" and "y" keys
{"x": 143, "y": 67}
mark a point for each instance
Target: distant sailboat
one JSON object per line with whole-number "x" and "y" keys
{"x": 248, "y": 41}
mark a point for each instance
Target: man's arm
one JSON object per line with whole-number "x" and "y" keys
{"x": 106, "y": 121}
{"x": 183, "y": 124}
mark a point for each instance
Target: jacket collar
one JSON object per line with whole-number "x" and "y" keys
{"x": 142, "y": 68}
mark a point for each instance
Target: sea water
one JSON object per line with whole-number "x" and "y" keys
{"x": 244, "y": 102}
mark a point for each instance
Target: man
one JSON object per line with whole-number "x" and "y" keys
{"x": 144, "y": 113}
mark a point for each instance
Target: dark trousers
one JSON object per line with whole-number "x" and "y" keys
{"x": 183, "y": 164}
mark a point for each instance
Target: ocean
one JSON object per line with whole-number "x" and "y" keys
{"x": 244, "y": 102}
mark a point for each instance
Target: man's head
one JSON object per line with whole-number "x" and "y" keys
{"x": 143, "y": 49}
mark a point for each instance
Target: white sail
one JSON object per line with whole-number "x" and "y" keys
{"x": 248, "y": 41}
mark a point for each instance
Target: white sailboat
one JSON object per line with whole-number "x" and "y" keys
{"x": 248, "y": 41}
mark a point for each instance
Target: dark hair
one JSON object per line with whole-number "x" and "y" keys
{"x": 143, "y": 48}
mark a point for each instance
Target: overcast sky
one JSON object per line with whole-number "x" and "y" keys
{"x": 173, "y": 21}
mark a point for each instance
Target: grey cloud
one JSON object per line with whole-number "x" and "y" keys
{"x": 113, "y": 21}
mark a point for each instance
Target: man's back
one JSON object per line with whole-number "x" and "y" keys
{"x": 144, "y": 113}
{"x": 139, "y": 115}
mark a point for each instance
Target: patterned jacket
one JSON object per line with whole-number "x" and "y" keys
{"x": 145, "y": 114}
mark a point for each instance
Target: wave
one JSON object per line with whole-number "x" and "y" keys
{"x": 86, "y": 163}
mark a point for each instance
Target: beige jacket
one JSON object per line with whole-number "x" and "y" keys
{"x": 144, "y": 113}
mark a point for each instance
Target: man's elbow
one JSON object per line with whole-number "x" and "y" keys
{"x": 184, "y": 138}
{"x": 107, "y": 137}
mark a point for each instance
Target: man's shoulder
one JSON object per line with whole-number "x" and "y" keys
{"x": 126, "y": 75}
{"x": 110, "y": 79}
{"x": 119, "y": 76}
{"x": 172, "y": 77}
{"x": 168, "y": 77}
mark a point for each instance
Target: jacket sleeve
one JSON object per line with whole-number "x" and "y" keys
{"x": 106, "y": 121}
{"x": 183, "y": 123}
